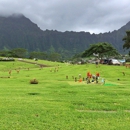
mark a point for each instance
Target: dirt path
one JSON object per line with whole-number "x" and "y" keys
{"x": 41, "y": 65}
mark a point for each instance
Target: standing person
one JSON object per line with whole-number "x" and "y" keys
{"x": 97, "y": 62}
{"x": 97, "y": 77}
{"x": 103, "y": 81}
{"x": 79, "y": 76}
{"x": 88, "y": 74}
{"x": 93, "y": 78}
{"x": 88, "y": 77}
{"x": 88, "y": 80}
{"x": 97, "y": 74}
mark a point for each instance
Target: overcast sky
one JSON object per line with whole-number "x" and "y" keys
{"x": 94, "y": 16}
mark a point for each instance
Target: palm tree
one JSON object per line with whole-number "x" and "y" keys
{"x": 126, "y": 39}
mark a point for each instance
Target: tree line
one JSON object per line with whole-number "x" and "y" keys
{"x": 100, "y": 49}
{"x": 24, "y": 53}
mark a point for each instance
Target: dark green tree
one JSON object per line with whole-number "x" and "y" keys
{"x": 6, "y": 53}
{"x": 52, "y": 49}
{"x": 100, "y": 49}
{"x": 39, "y": 55}
{"x": 126, "y": 39}
{"x": 19, "y": 52}
{"x": 54, "y": 56}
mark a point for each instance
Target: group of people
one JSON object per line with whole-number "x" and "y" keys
{"x": 92, "y": 78}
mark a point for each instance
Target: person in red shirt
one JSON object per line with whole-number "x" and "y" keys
{"x": 89, "y": 75}
{"x": 97, "y": 76}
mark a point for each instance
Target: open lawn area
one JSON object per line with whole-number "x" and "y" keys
{"x": 58, "y": 102}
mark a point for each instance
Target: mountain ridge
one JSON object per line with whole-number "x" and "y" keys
{"x": 20, "y": 32}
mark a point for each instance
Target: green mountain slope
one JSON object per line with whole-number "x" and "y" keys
{"x": 20, "y": 32}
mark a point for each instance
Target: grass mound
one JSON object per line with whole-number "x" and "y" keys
{"x": 34, "y": 81}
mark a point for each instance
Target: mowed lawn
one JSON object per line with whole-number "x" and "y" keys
{"x": 61, "y": 103}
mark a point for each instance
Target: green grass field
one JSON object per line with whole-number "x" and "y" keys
{"x": 57, "y": 103}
